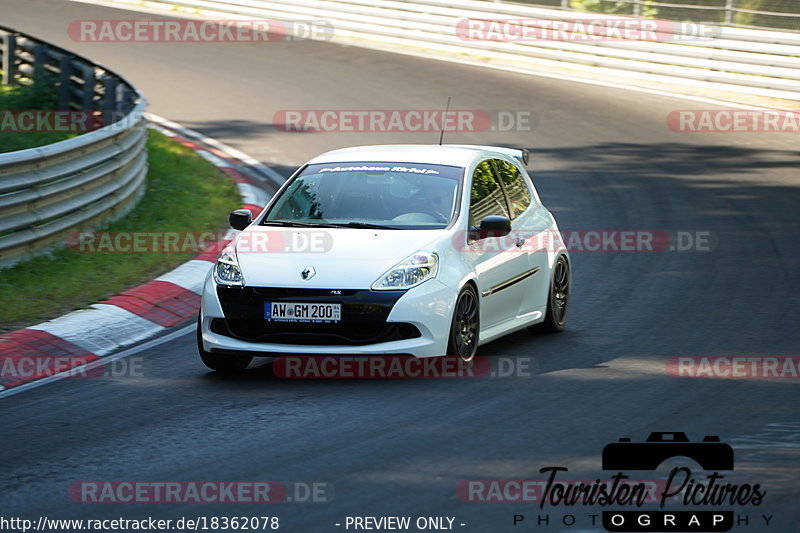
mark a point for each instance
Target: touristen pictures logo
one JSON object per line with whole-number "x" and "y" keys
{"x": 645, "y": 493}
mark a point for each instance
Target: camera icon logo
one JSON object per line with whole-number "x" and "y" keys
{"x": 710, "y": 454}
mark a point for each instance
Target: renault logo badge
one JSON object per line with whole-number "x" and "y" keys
{"x": 308, "y": 272}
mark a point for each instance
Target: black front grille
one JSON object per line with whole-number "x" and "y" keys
{"x": 259, "y": 331}
{"x": 363, "y": 320}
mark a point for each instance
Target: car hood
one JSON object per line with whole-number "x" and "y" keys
{"x": 345, "y": 258}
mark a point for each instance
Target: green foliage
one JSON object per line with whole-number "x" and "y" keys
{"x": 41, "y": 95}
{"x": 714, "y": 14}
{"x": 602, "y": 6}
{"x": 770, "y": 21}
{"x": 38, "y": 96}
{"x": 483, "y": 182}
{"x": 611, "y": 7}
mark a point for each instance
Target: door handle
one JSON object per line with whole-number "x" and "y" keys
{"x": 520, "y": 242}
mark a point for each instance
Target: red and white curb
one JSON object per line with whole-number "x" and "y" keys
{"x": 81, "y": 338}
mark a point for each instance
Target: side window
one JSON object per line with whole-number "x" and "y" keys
{"x": 517, "y": 191}
{"x": 486, "y": 196}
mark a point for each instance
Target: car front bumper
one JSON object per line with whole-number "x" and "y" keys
{"x": 414, "y": 322}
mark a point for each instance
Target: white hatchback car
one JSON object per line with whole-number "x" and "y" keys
{"x": 397, "y": 249}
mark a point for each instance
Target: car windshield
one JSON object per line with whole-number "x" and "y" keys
{"x": 369, "y": 195}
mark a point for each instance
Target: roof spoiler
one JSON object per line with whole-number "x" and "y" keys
{"x": 517, "y": 153}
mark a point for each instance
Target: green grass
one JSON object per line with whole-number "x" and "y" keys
{"x": 184, "y": 193}
{"x": 23, "y": 98}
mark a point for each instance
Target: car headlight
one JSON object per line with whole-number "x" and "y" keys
{"x": 227, "y": 270}
{"x": 415, "y": 269}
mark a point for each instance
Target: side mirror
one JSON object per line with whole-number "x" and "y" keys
{"x": 492, "y": 226}
{"x": 240, "y": 218}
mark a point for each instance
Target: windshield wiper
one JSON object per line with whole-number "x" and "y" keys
{"x": 363, "y": 225}
{"x": 295, "y": 224}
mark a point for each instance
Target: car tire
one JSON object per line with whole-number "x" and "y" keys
{"x": 223, "y": 363}
{"x": 465, "y": 327}
{"x": 557, "y": 299}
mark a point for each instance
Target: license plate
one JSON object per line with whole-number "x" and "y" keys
{"x": 302, "y": 312}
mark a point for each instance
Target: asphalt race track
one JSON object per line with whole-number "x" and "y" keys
{"x": 602, "y": 159}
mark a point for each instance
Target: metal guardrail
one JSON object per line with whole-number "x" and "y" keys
{"x": 727, "y": 12}
{"x": 757, "y": 62}
{"x": 48, "y": 192}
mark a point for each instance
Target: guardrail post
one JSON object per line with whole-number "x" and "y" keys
{"x": 126, "y": 100}
{"x": 728, "y": 12}
{"x": 87, "y": 96}
{"x": 109, "y": 103}
{"x": 39, "y": 59}
{"x": 565, "y": 4}
{"x": 64, "y": 82}
{"x": 9, "y": 58}
{"x": 637, "y": 8}
{"x": 122, "y": 97}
